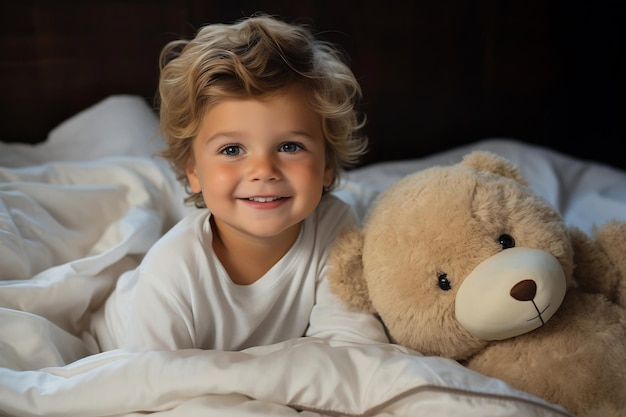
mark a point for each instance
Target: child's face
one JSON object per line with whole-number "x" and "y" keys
{"x": 260, "y": 163}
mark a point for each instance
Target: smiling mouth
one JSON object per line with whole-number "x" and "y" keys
{"x": 264, "y": 199}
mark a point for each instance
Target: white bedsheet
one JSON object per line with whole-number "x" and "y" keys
{"x": 86, "y": 204}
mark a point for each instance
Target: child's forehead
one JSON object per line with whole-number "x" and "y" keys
{"x": 286, "y": 110}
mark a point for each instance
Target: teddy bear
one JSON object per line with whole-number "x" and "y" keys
{"x": 467, "y": 262}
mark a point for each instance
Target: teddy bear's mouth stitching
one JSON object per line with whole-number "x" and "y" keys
{"x": 539, "y": 313}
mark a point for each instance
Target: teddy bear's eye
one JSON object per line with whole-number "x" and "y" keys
{"x": 444, "y": 282}
{"x": 506, "y": 241}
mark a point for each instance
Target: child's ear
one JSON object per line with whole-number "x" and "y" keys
{"x": 329, "y": 172}
{"x": 345, "y": 272}
{"x": 192, "y": 176}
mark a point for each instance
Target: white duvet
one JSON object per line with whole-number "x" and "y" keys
{"x": 86, "y": 204}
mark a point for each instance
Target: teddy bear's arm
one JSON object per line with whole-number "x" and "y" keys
{"x": 600, "y": 262}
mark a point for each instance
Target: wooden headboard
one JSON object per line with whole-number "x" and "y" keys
{"x": 434, "y": 74}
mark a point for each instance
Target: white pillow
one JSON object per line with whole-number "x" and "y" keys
{"x": 118, "y": 125}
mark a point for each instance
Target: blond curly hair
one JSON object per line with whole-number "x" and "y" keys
{"x": 255, "y": 56}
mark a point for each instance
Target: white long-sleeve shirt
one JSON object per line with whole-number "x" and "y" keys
{"x": 181, "y": 296}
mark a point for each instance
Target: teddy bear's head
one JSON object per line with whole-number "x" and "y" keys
{"x": 453, "y": 257}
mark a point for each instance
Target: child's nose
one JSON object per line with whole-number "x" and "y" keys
{"x": 264, "y": 168}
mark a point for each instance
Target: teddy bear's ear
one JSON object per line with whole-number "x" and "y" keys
{"x": 345, "y": 272}
{"x": 489, "y": 161}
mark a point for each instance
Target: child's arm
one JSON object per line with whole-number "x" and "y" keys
{"x": 144, "y": 312}
{"x": 330, "y": 317}
{"x": 151, "y": 306}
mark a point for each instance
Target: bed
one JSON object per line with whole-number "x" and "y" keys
{"x": 82, "y": 197}
{"x": 81, "y": 207}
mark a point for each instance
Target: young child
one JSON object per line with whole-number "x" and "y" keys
{"x": 259, "y": 119}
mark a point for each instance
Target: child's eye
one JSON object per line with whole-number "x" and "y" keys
{"x": 290, "y": 147}
{"x": 231, "y": 150}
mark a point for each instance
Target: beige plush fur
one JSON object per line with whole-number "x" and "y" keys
{"x": 439, "y": 225}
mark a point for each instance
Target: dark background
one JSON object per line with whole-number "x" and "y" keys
{"x": 435, "y": 74}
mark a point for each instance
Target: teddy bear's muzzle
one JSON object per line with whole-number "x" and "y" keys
{"x": 510, "y": 293}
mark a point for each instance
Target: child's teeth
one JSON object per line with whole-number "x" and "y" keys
{"x": 263, "y": 199}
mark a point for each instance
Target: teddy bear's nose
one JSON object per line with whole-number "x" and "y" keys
{"x": 524, "y": 290}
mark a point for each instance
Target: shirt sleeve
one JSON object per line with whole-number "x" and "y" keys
{"x": 159, "y": 314}
{"x": 151, "y": 307}
{"x": 330, "y": 317}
